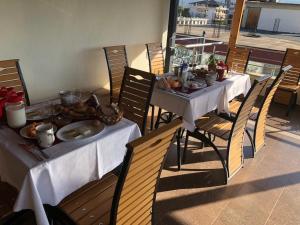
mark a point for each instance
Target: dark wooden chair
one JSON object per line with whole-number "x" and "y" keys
{"x": 260, "y": 111}
{"x": 230, "y": 131}
{"x": 237, "y": 59}
{"x": 128, "y": 199}
{"x": 287, "y": 91}
{"x": 24, "y": 217}
{"x": 157, "y": 67}
{"x": 135, "y": 96}
{"x": 11, "y": 76}
{"x": 116, "y": 58}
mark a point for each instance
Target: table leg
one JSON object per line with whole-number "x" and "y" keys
{"x": 178, "y": 137}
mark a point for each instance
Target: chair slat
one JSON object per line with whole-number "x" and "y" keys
{"x": 116, "y": 58}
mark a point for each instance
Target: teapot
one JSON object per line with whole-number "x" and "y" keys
{"x": 221, "y": 66}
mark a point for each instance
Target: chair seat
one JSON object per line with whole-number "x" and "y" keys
{"x": 288, "y": 87}
{"x": 235, "y": 105}
{"x": 92, "y": 203}
{"x": 215, "y": 125}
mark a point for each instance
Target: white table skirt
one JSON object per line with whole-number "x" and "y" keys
{"x": 71, "y": 165}
{"x": 203, "y": 101}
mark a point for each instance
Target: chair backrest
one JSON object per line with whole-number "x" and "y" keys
{"x": 11, "y": 76}
{"x": 260, "y": 125}
{"x": 135, "y": 95}
{"x": 156, "y": 58}
{"x": 136, "y": 188}
{"x": 236, "y": 140}
{"x": 237, "y": 59}
{"x": 116, "y": 58}
{"x": 292, "y": 57}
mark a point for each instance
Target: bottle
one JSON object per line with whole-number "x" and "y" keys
{"x": 15, "y": 111}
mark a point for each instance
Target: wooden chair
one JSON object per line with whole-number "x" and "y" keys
{"x": 11, "y": 76}
{"x": 230, "y": 131}
{"x": 135, "y": 96}
{"x": 156, "y": 66}
{"x": 116, "y": 58}
{"x": 287, "y": 91}
{"x": 156, "y": 58}
{"x": 24, "y": 217}
{"x": 129, "y": 199}
{"x": 259, "y": 112}
{"x": 237, "y": 59}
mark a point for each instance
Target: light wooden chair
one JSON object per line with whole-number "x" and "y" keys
{"x": 128, "y": 199}
{"x": 237, "y": 59}
{"x": 287, "y": 91}
{"x": 260, "y": 111}
{"x": 156, "y": 66}
{"x": 135, "y": 96}
{"x": 261, "y": 117}
{"x": 230, "y": 131}
{"x": 11, "y": 76}
{"x": 116, "y": 58}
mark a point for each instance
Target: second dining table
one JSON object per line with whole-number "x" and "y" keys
{"x": 198, "y": 103}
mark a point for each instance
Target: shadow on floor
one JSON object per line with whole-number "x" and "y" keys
{"x": 167, "y": 206}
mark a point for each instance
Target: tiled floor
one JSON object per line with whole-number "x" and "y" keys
{"x": 265, "y": 192}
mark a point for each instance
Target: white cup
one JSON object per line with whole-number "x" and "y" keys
{"x": 45, "y": 135}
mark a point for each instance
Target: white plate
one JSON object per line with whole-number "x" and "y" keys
{"x": 79, "y": 130}
{"x": 23, "y": 132}
{"x": 36, "y": 114}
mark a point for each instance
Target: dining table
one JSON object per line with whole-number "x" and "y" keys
{"x": 192, "y": 106}
{"x": 46, "y": 176}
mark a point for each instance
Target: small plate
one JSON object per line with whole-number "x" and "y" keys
{"x": 79, "y": 130}
{"x": 23, "y": 132}
{"x": 40, "y": 113}
{"x": 193, "y": 85}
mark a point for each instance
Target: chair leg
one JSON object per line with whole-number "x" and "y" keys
{"x": 252, "y": 142}
{"x": 204, "y": 139}
{"x": 185, "y": 147}
{"x": 152, "y": 117}
{"x": 178, "y": 149}
{"x": 290, "y": 104}
{"x": 158, "y": 118}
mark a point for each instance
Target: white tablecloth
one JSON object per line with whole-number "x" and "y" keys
{"x": 203, "y": 101}
{"x": 71, "y": 165}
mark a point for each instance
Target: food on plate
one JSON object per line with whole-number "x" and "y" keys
{"x": 201, "y": 72}
{"x": 163, "y": 83}
{"x": 97, "y": 123}
{"x": 31, "y": 129}
{"x": 174, "y": 83}
{"x": 78, "y": 132}
{"x": 91, "y": 110}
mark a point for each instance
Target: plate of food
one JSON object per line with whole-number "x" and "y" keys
{"x": 79, "y": 111}
{"x": 80, "y": 130}
{"x": 194, "y": 85}
{"x": 35, "y": 114}
{"x": 29, "y": 131}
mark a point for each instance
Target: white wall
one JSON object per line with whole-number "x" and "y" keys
{"x": 59, "y": 42}
{"x": 289, "y": 20}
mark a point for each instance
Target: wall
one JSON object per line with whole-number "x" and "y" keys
{"x": 288, "y": 20}
{"x": 59, "y": 42}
